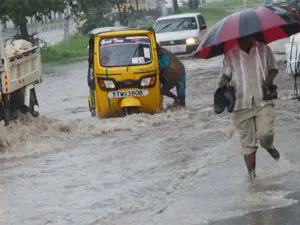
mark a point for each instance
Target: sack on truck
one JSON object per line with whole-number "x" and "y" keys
{"x": 17, "y": 47}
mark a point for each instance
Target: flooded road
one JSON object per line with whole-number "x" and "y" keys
{"x": 177, "y": 167}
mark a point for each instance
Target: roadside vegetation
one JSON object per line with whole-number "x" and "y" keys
{"x": 65, "y": 52}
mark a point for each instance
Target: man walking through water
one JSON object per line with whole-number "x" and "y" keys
{"x": 250, "y": 68}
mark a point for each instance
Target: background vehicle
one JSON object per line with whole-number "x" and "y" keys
{"x": 19, "y": 75}
{"x": 292, "y": 46}
{"x": 293, "y": 5}
{"x": 180, "y": 34}
{"x": 123, "y": 74}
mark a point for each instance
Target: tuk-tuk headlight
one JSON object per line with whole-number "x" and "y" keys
{"x": 148, "y": 81}
{"x": 109, "y": 84}
{"x": 106, "y": 84}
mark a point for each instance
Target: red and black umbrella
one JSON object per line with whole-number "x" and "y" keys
{"x": 266, "y": 24}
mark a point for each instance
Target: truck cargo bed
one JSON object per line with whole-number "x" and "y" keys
{"x": 22, "y": 70}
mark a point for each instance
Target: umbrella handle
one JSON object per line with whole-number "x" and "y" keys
{"x": 260, "y": 64}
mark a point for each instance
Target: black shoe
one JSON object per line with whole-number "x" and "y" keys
{"x": 229, "y": 94}
{"x": 224, "y": 97}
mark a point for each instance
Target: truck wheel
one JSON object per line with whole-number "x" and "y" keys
{"x": 33, "y": 112}
{"x": 7, "y": 114}
{"x": 24, "y": 109}
{"x": 1, "y": 112}
{"x": 33, "y": 102}
{"x": 7, "y": 117}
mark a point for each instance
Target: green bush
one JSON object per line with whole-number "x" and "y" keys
{"x": 63, "y": 52}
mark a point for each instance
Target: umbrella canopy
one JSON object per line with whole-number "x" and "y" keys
{"x": 266, "y": 24}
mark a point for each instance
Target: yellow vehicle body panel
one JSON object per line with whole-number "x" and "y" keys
{"x": 130, "y": 102}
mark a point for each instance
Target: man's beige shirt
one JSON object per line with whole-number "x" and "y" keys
{"x": 247, "y": 74}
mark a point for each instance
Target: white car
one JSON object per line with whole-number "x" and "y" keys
{"x": 180, "y": 34}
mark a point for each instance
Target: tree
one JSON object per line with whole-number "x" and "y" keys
{"x": 94, "y": 12}
{"x": 194, "y": 4}
{"x": 126, "y": 11}
{"x": 19, "y": 10}
{"x": 3, "y": 17}
{"x": 121, "y": 6}
{"x": 138, "y": 13}
{"x": 175, "y": 6}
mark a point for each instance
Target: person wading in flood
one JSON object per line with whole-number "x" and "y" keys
{"x": 172, "y": 73}
{"x": 250, "y": 68}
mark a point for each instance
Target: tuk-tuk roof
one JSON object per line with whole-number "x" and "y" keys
{"x": 111, "y": 29}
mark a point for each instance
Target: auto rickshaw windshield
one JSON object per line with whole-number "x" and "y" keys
{"x": 125, "y": 51}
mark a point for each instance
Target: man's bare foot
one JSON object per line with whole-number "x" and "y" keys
{"x": 250, "y": 161}
{"x": 274, "y": 153}
{"x": 252, "y": 174}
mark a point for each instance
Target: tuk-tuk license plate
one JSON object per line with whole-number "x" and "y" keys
{"x": 124, "y": 94}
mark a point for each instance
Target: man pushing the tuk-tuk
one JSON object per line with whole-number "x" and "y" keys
{"x": 172, "y": 74}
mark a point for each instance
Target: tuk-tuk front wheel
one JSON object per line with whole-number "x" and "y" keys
{"x": 92, "y": 110}
{"x": 130, "y": 110}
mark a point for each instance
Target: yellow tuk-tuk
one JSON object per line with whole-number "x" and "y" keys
{"x": 123, "y": 73}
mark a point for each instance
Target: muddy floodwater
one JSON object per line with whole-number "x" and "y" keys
{"x": 178, "y": 167}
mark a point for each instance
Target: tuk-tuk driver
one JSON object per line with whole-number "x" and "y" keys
{"x": 172, "y": 73}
